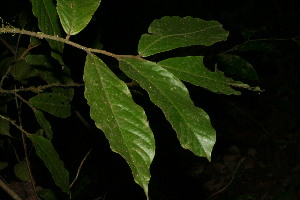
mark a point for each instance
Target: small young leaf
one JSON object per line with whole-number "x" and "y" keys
{"x": 48, "y": 21}
{"x": 76, "y": 14}
{"x": 54, "y": 103}
{"x": 47, "y": 153}
{"x": 123, "y": 122}
{"x": 191, "y": 69}
{"x": 236, "y": 65}
{"x": 170, "y": 33}
{"x": 21, "y": 171}
{"x": 43, "y": 122}
{"x": 191, "y": 123}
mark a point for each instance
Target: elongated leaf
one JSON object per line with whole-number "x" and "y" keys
{"x": 191, "y": 123}
{"x": 48, "y": 20}
{"x": 192, "y": 70}
{"x": 45, "y": 151}
{"x": 76, "y": 14}
{"x": 43, "y": 122}
{"x": 170, "y": 33}
{"x": 55, "y": 103}
{"x": 123, "y": 122}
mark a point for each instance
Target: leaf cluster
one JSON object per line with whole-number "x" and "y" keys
{"x": 43, "y": 82}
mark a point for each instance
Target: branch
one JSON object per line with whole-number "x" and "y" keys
{"x": 40, "y": 88}
{"x": 9, "y": 191}
{"x": 66, "y": 41}
{"x": 79, "y": 168}
{"x": 16, "y": 125}
{"x": 8, "y": 46}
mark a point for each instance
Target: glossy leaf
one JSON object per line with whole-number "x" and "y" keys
{"x": 191, "y": 123}
{"x": 48, "y": 21}
{"x": 76, "y": 14}
{"x": 236, "y": 65}
{"x": 44, "y": 123}
{"x": 123, "y": 122}
{"x": 45, "y": 151}
{"x": 170, "y": 33}
{"x": 191, "y": 69}
{"x": 54, "y": 103}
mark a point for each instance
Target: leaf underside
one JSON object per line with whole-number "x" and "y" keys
{"x": 123, "y": 122}
{"x": 191, "y": 123}
{"x": 76, "y": 14}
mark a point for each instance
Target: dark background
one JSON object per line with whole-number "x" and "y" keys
{"x": 257, "y": 151}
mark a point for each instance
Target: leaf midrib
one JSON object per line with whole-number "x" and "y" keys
{"x": 188, "y": 124}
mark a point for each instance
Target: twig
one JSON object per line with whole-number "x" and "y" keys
{"x": 27, "y": 50}
{"x": 25, "y": 145}
{"x": 5, "y": 75}
{"x": 56, "y": 38}
{"x": 79, "y": 168}
{"x": 9, "y": 191}
{"x": 25, "y": 101}
{"x": 231, "y": 180}
{"x": 40, "y": 88}
{"x": 67, "y": 41}
{"x": 8, "y": 46}
{"x": 16, "y": 125}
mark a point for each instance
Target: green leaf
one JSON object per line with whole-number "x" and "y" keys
{"x": 48, "y": 21}
{"x": 191, "y": 123}
{"x": 236, "y": 65}
{"x": 76, "y": 14}
{"x": 21, "y": 171}
{"x": 54, "y": 103}
{"x": 22, "y": 71}
{"x": 47, "y": 153}
{"x": 123, "y": 122}
{"x": 43, "y": 122}
{"x": 3, "y": 165}
{"x": 257, "y": 45}
{"x": 44, "y": 67}
{"x": 4, "y": 127}
{"x": 47, "y": 194}
{"x": 192, "y": 70}
{"x": 4, "y": 124}
{"x": 170, "y": 33}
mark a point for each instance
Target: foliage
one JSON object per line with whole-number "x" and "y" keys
{"x": 48, "y": 84}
